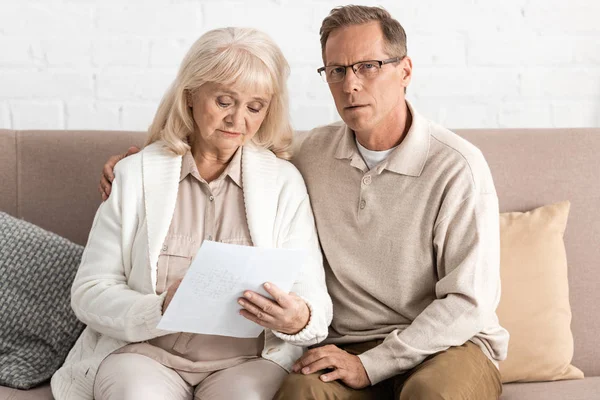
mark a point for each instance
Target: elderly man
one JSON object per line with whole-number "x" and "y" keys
{"x": 407, "y": 216}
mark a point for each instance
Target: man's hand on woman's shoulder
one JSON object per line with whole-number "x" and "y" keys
{"x": 107, "y": 172}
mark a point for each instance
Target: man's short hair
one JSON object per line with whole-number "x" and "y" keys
{"x": 393, "y": 32}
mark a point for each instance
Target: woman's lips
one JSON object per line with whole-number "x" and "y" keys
{"x": 231, "y": 133}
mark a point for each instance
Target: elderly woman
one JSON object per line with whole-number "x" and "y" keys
{"x": 214, "y": 168}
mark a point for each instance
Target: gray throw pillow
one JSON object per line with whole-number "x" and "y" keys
{"x": 37, "y": 325}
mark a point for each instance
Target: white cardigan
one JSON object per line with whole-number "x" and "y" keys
{"x": 114, "y": 290}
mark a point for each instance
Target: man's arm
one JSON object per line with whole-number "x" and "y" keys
{"x": 467, "y": 247}
{"x": 107, "y": 172}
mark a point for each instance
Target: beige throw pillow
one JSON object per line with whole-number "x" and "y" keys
{"x": 534, "y": 306}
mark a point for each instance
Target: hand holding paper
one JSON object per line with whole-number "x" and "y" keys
{"x": 286, "y": 313}
{"x": 207, "y": 299}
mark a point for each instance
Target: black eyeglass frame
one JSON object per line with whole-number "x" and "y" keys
{"x": 379, "y": 62}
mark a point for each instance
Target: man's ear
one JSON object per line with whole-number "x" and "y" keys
{"x": 406, "y": 66}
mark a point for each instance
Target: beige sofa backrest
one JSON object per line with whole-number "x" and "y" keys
{"x": 50, "y": 178}
{"x": 536, "y": 167}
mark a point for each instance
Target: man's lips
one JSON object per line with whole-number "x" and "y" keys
{"x": 355, "y": 106}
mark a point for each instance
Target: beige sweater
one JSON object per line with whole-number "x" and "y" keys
{"x": 412, "y": 246}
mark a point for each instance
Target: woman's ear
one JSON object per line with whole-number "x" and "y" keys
{"x": 188, "y": 98}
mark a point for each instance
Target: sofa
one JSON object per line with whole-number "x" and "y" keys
{"x": 50, "y": 178}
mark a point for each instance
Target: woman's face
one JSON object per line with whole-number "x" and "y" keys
{"x": 226, "y": 117}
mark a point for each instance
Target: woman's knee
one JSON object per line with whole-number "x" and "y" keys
{"x": 133, "y": 376}
{"x": 254, "y": 380}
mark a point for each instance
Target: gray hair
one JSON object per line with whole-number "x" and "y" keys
{"x": 393, "y": 32}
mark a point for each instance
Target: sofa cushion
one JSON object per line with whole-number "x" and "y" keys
{"x": 39, "y": 393}
{"x": 534, "y": 305}
{"x": 585, "y": 389}
{"x": 38, "y": 326}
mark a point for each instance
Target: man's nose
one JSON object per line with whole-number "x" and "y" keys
{"x": 351, "y": 82}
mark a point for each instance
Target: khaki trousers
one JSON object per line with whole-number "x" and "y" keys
{"x": 130, "y": 376}
{"x": 459, "y": 373}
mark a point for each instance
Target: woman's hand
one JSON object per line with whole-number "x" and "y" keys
{"x": 287, "y": 313}
{"x": 170, "y": 293}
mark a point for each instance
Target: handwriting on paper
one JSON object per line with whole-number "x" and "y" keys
{"x": 206, "y": 300}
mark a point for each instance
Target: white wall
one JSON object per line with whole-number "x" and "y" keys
{"x": 91, "y": 64}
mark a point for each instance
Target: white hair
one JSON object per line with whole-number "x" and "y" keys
{"x": 245, "y": 57}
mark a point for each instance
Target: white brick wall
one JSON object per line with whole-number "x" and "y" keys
{"x": 4, "y": 115}
{"x": 92, "y": 64}
{"x": 37, "y": 114}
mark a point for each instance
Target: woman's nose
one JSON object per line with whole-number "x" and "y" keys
{"x": 233, "y": 117}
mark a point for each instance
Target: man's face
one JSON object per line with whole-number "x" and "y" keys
{"x": 366, "y": 104}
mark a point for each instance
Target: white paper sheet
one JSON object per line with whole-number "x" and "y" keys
{"x": 206, "y": 300}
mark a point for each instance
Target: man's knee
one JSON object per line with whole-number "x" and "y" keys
{"x": 299, "y": 386}
{"x": 422, "y": 389}
{"x": 427, "y": 387}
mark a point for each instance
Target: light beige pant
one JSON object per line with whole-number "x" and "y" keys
{"x": 131, "y": 376}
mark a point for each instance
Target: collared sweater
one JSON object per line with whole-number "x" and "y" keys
{"x": 411, "y": 245}
{"x": 114, "y": 291}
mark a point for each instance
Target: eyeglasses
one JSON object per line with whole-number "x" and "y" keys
{"x": 363, "y": 69}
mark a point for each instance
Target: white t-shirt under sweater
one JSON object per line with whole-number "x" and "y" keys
{"x": 373, "y": 157}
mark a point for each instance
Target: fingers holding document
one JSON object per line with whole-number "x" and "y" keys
{"x": 286, "y": 312}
